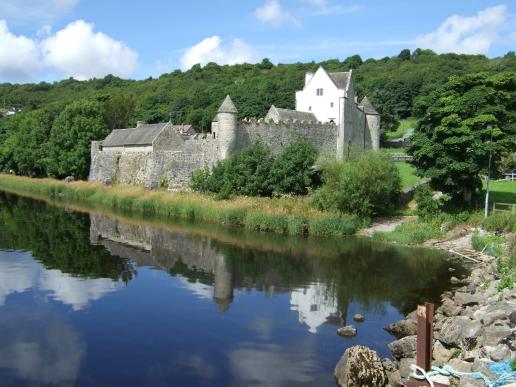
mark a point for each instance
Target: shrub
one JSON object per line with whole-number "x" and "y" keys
{"x": 501, "y": 222}
{"x": 492, "y": 244}
{"x": 507, "y": 271}
{"x": 367, "y": 186}
{"x": 255, "y": 172}
{"x": 333, "y": 225}
{"x": 292, "y": 171}
{"x": 427, "y": 206}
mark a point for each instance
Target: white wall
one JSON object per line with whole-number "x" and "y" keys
{"x": 321, "y": 105}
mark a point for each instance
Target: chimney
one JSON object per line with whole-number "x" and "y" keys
{"x": 308, "y": 77}
{"x": 140, "y": 123}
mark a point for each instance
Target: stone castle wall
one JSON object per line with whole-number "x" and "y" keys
{"x": 279, "y": 135}
{"x": 170, "y": 168}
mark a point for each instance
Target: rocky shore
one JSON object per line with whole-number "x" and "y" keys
{"x": 474, "y": 326}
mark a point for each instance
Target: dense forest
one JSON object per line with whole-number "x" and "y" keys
{"x": 52, "y": 133}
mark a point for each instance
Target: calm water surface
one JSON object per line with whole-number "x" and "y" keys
{"x": 92, "y": 300}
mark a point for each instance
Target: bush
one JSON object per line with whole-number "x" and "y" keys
{"x": 255, "y": 172}
{"x": 292, "y": 171}
{"x": 501, "y": 222}
{"x": 333, "y": 226}
{"x": 427, "y": 206}
{"x": 367, "y": 186}
{"x": 491, "y": 244}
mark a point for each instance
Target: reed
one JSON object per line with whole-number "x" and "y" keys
{"x": 284, "y": 215}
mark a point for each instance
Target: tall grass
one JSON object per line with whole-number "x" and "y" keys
{"x": 411, "y": 233}
{"x": 285, "y": 215}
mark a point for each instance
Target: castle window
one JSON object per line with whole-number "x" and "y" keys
{"x": 331, "y": 104}
{"x": 309, "y": 108}
{"x": 319, "y": 92}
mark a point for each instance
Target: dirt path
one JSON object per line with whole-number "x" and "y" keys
{"x": 385, "y": 224}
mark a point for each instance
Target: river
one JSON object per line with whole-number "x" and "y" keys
{"x": 96, "y": 299}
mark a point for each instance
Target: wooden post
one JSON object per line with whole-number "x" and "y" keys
{"x": 425, "y": 328}
{"x": 425, "y": 322}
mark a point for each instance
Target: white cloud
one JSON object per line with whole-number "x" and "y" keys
{"x": 324, "y": 8}
{"x": 273, "y": 13}
{"x": 19, "y": 55}
{"x": 75, "y": 51}
{"x": 463, "y": 34}
{"x": 25, "y": 11}
{"x": 214, "y": 49}
{"x": 80, "y": 52}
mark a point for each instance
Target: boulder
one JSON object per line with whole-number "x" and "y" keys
{"x": 358, "y": 318}
{"x": 493, "y": 334}
{"x": 440, "y": 353}
{"x": 402, "y": 328}
{"x": 404, "y": 367}
{"x": 347, "y": 331}
{"x": 455, "y": 329}
{"x": 460, "y": 365}
{"x": 482, "y": 365}
{"x": 448, "y": 308}
{"x": 497, "y": 353}
{"x": 360, "y": 366}
{"x": 466, "y": 299}
{"x": 405, "y": 347}
{"x": 69, "y": 179}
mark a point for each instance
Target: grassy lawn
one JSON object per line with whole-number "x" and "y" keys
{"x": 502, "y": 191}
{"x": 406, "y": 124}
{"x": 408, "y": 174}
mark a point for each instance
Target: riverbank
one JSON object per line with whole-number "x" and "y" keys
{"x": 285, "y": 215}
{"x": 475, "y": 325}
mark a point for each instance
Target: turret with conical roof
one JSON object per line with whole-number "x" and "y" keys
{"x": 227, "y": 127}
{"x": 373, "y": 122}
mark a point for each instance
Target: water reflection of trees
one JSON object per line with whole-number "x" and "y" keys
{"x": 57, "y": 238}
{"x": 351, "y": 270}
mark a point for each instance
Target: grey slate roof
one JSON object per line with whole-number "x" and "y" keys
{"x": 367, "y": 106}
{"x": 341, "y": 79}
{"x": 141, "y": 135}
{"x": 287, "y": 114}
{"x": 227, "y": 106}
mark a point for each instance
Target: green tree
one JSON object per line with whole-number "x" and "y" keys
{"x": 118, "y": 110}
{"x": 292, "y": 171}
{"x": 452, "y": 143}
{"x": 72, "y": 132}
{"x": 366, "y": 186}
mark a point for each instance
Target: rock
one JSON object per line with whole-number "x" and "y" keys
{"x": 493, "y": 334}
{"x": 493, "y": 316}
{"x": 402, "y": 328}
{"x": 394, "y": 378}
{"x": 405, "y": 347}
{"x": 470, "y": 382}
{"x": 460, "y": 365}
{"x": 512, "y": 317}
{"x": 69, "y": 179}
{"x": 455, "y": 281}
{"x": 404, "y": 367}
{"x": 470, "y": 355}
{"x": 455, "y": 329}
{"x": 498, "y": 353}
{"x": 347, "y": 331}
{"x": 441, "y": 379}
{"x": 449, "y": 308}
{"x": 388, "y": 365}
{"x": 440, "y": 353}
{"x": 451, "y": 269}
{"x": 360, "y": 366}
{"x": 466, "y": 299}
{"x": 358, "y": 318}
{"x": 482, "y": 365}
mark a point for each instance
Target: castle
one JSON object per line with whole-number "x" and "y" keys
{"x": 328, "y": 116}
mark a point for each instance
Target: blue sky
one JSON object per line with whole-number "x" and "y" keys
{"x": 55, "y": 39}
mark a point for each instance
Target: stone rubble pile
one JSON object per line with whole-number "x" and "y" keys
{"x": 474, "y": 327}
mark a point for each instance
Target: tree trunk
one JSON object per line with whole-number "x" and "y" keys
{"x": 467, "y": 194}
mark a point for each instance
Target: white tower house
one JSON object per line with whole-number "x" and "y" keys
{"x": 227, "y": 127}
